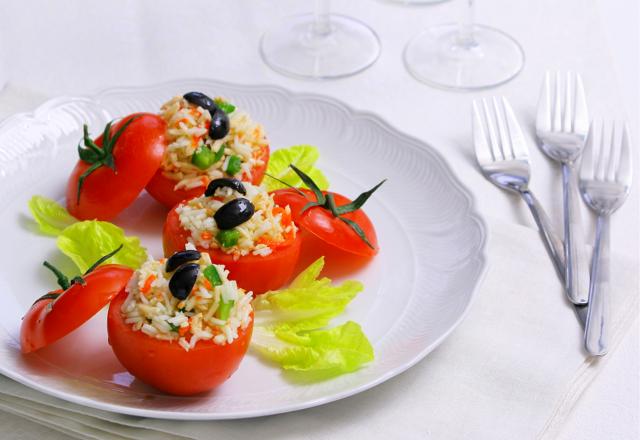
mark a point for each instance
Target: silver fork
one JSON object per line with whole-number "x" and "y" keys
{"x": 562, "y": 125}
{"x": 605, "y": 180}
{"x": 503, "y": 156}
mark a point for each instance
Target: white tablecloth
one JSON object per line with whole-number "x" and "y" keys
{"x": 75, "y": 47}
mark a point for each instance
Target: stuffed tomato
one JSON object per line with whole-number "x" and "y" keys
{"x": 240, "y": 226}
{"x": 181, "y": 325}
{"x": 207, "y": 139}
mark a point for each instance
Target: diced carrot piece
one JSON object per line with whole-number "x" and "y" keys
{"x": 147, "y": 283}
{"x": 285, "y": 218}
{"x": 206, "y": 235}
{"x": 265, "y": 240}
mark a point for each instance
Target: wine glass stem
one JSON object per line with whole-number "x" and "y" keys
{"x": 321, "y": 25}
{"x": 466, "y": 38}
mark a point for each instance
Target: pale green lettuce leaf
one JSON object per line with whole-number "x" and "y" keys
{"x": 325, "y": 353}
{"x": 289, "y": 326}
{"x": 52, "y": 218}
{"x": 303, "y": 157}
{"x": 85, "y": 242}
{"x": 308, "y": 304}
{"x": 309, "y": 276}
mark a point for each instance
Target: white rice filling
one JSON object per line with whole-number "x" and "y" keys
{"x": 152, "y": 309}
{"x": 187, "y": 128}
{"x": 269, "y": 226}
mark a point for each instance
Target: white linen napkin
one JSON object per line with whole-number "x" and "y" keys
{"x": 514, "y": 368}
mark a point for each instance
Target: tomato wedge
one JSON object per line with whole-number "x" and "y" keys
{"x": 322, "y": 224}
{"x": 165, "y": 365}
{"x": 51, "y": 317}
{"x": 136, "y": 154}
{"x": 162, "y": 189}
{"x": 252, "y": 272}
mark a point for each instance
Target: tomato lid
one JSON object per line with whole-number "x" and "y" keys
{"x": 115, "y": 168}
{"x": 321, "y": 223}
{"x": 53, "y": 317}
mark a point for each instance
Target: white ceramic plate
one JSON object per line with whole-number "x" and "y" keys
{"x": 417, "y": 289}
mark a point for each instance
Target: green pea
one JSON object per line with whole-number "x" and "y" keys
{"x": 219, "y": 153}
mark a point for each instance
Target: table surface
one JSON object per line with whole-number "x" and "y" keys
{"x": 76, "y": 51}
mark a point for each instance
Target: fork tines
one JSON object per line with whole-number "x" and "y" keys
{"x": 496, "y": 133}
{"x": 607, "y": 155}
{"x": 556, "y": 114}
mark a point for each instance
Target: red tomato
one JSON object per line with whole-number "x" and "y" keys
{"x": 50, "y": 319}
{"x": 322, "y": 224}
{"x": 166, "y": 365}
{"x": 137, "y": 155}
{"x": 252, "y": 272}
{"x": 161, "y": 187}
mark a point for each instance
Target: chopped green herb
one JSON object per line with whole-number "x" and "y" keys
{"x": 228, "y": 237}
{"x": 203, "y": 157}
{"x": 211, "y": 273}
{"x": 219, "y": 153}
{"x": 224, "y": 106}
{"x": 234, "y": 165}
{"x": 224, "y": 310}
{"x": 174, "y": 328}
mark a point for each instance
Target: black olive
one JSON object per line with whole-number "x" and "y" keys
{"x": 202, "y": 100}
{"x": 219, "y": 125}
{"x": 183, "y": 280}
{"x": 179, "y": 258}
{"x": 234, "y": 184}
{"x": 234, "y": 213}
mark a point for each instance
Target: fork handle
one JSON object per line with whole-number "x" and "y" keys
{"x": 552, "y": 242}
{"x": 595, "y": 334}
{"x": 575, "y": 251}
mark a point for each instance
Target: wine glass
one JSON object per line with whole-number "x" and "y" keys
{"x": 464, "y": 56}
{"x": 320, "y": 45}
{"x": 418, "y": 2}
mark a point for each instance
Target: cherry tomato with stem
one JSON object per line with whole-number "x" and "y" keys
{"x": 331, "y": 217}
{"x": 61, "y": 311}
{"x": 116, "y": 167}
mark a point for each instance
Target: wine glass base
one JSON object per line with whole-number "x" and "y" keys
{"x": 439, "y": 58}
{"x": 417, "y": 2}
{"x": 292, "y": 48}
